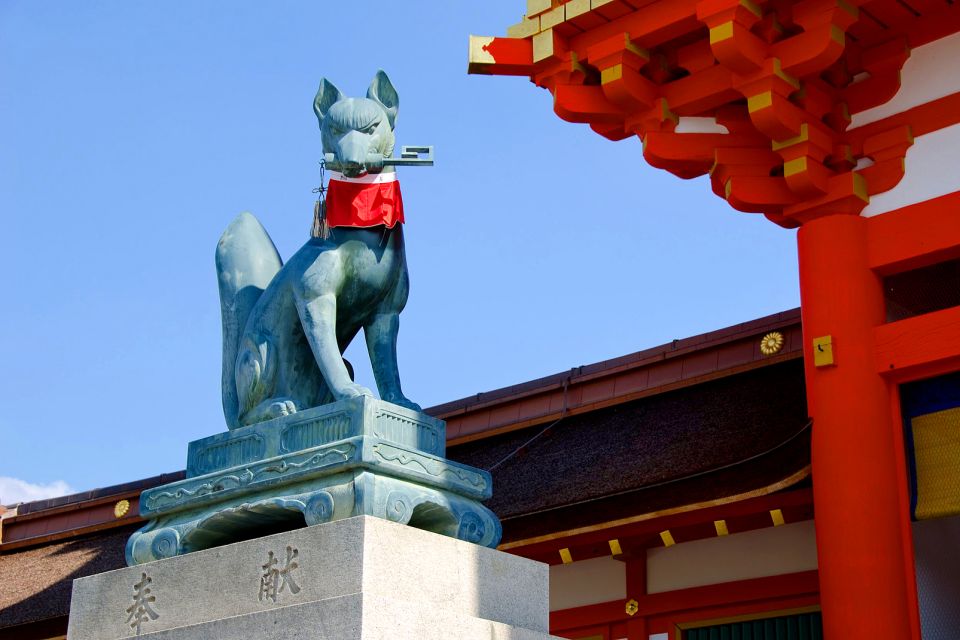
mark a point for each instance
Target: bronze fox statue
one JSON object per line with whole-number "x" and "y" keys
{"x": 285, "y": 326}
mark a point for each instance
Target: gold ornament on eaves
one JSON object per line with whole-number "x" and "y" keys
{"x": 771, "y": 343}
{"x": 121, "y": 508}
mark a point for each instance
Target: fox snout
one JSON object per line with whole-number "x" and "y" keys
{"x": 357, "y": 153}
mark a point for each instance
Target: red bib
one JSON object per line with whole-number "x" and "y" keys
{"x": 367, "y": 201}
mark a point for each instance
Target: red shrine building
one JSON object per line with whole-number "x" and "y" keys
{"x": 793, "y": 477}
{"x": 839, "y": 118}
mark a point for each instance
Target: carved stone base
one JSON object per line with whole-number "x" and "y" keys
{"x": 357, "y": 578}
{"x": 355, "y": 457}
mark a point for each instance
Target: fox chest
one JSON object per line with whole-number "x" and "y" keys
{"x": 361, "y": 269}
{"x": 368, "y": 273}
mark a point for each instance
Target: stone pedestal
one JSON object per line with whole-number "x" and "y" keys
{"x": 360, "y": 577}
{"x": 350, "y": 458}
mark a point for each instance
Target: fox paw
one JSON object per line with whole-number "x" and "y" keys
{"x": 410, "y": 404}
{"x": 270, "y": 409}
{"x": 281, "y": 408}
{"x": 403, "y": 401}
{"x": 352, "y": 390}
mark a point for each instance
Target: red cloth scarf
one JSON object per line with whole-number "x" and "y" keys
{"x": 367, "y": 201}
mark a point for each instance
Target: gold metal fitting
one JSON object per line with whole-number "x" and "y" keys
{"x": 776, "y": 516}
{"x": 615, "y": 549}
{"x": 823, "y": 351}
{"x": 771, "y": 343}
{"x": 121, "y": 508}
{"x": 632, "y": 607}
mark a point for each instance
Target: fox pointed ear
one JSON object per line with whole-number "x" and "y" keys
{"x": 327, "y": 95}
{"x": 382, "y": 91}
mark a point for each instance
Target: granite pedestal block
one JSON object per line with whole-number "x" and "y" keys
{"x": 354, "y": 457}
{"x": 354, "y": 578}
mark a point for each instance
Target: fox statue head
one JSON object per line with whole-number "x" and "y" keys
{"x": 358, "y": 131}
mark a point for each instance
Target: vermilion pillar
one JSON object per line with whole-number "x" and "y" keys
{"x": 857, "y": 498}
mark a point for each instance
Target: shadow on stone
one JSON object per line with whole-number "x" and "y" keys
{"x": 228, "y": 527}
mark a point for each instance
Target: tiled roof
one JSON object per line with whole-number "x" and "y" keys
{"x": 721, "y": 438}
{"x": 37, "y": 582}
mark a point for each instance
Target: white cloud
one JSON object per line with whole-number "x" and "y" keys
{"x": 14, "y": 490}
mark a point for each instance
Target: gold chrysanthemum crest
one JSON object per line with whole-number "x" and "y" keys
{"x": 121, "y": 508}
{"x": 771, "y": 343}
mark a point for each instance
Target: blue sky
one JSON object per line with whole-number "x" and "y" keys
{"x": 133, "y": 132}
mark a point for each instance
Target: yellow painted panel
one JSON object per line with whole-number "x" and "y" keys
{"x": 776, "y": 515}
{"x": 611, "y": 74}
{"x": 577, "y": 8}
{"x": 783, "y": 144}
{"x": 537, "y": 6}
{"x": 525, "y": 28}
{"x": 752, "y": 7}
{"x": 760, "y": 101}
{"x": 936, "y": 444}
{"x": 553, "y": 17}
{"x": 721, "y": 32}
{"x": 823, "y": 351}
{"x": 543, "y": 45}
{"x": 860, "y": 187}
{"x": 838, "y": 35}
{"x": 783, "y": 75}
{"x": 795, "y": 166}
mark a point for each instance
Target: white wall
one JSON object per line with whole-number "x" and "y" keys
{"x": 587, "y": 582}
{"x": 930, "y": 72}
{"x": 933, "y": 162}
{"x": 933, "y": 169}
{"x": 741, "y": 556}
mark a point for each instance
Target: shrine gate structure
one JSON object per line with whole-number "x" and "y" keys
{"x": 840, "y": 118}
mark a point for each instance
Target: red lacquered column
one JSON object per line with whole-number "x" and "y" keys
{"x": 857, "y": 497}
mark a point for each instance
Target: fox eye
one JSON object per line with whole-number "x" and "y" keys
{"x": 336, "y": 131}
{"x": 370, "y": 129}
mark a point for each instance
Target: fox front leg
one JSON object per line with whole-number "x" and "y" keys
{"x": 381, "y": 335}
{"x": 319, "y": 318}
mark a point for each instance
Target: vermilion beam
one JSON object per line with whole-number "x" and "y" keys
{"x": 916, "y": 236}
{"x": 730, "y": 594}
{"x": 585, "y": 103}
{"x": 701, "y": 92}
{"x": 912, "y": 346}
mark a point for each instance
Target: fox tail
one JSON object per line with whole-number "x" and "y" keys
{"x": 247, "y": 261}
